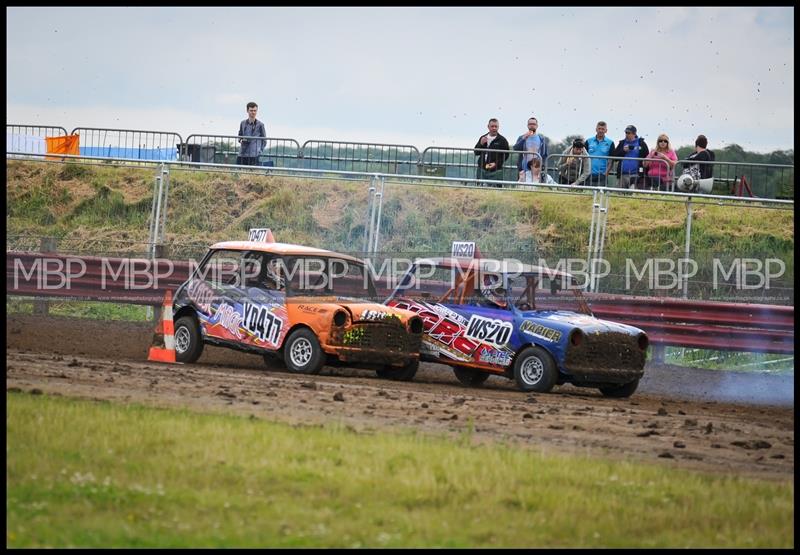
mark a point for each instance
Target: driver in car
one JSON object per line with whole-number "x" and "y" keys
{"x": 492, "y": 292}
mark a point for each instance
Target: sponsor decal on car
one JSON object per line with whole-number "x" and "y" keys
{"x": 353, "y": 336}
{"x": 450, "y": 314}
{"x": 494, "y": 356}
{"x": 229, "y": 318}
{"x": 538, "y": 330}
{"x": 261, "y": 322}
{"x": 489, "y": 330}
{"x": 378, "y": 315}
{"x": 428, "y": 348}
{"x": 201, "y": 295}
{"x": 310, "y": 309}
{"x": 455, "y": 354}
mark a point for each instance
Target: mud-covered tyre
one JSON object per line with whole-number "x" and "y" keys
{"x": 401, "y": 374}
{"x": 302, "y": 352}
{"x": 471, "y": 376}
{"x": 619, "y": 391}
{"x": 188, "y": 342}
{"x": 534, "y": 370}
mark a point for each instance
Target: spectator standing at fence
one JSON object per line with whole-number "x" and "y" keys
{"x": 574, "y": 167}
{"x": 530, "y": 142}
{"x": 534, "y": 173}
{"x": 630, "y": 171}
{"x": 599, "y": 145}
{"x": 250, "y": 149}
{"x": 702, "y": 154}
{"x": 659, "y": 165}
{"x": 490, "y": 164}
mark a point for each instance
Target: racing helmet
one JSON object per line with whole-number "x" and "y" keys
{"x": 493, "y": 290}
{"x": 271, "y": 275}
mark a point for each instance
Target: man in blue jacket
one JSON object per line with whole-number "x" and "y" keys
{"x": 630, "y": 171}
{"x": 530, "y": 142}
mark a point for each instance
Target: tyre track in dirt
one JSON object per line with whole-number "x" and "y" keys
{"x": 73, "y": 357}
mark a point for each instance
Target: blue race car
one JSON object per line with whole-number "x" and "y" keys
{"x": 527, "y": 323}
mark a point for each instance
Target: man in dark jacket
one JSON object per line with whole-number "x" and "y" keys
{"x": 490, "y": 164}
{"x": 702, "y": 154}
{"x": 250, "y": 149}
{"x": 630, "y": 171}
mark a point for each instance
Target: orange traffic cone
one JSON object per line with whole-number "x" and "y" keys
{"x": 163, "y": 349}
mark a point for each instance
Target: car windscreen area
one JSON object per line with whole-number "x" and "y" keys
{"x": 315, "y": 276}
{"x": 546, "y": 292}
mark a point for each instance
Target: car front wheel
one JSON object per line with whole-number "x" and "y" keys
{"x": 619, "y": 391}
{"x": 534, "y": 370}
{"x": 471, "y": 376}
{"x": 302, "y": 352}
{"x": 402, "y": 374}
{"x": 188, "y": 343}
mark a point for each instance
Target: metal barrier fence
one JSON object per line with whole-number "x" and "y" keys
{"x": 747, "y": 179}
{"x": 35, "y": 130}
{"x": 30, "y": 138}
{"x": 128, "y": 143}
{"x": 730, "y": 178}
{"x": 224, "y": 149}
{"x": 359, "y": 157}
{"x": 462, "y": 163}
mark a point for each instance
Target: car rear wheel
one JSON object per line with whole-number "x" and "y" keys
{"x": 619, "y": 391}
{"x": 471, "y": 376}
{"x": 402, "y": 374}
{"x": 302, "y": 352}
{"x": 534, "y": 370}
{"x": 188, "y": 343}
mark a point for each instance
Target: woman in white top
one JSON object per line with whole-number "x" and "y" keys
{"x": 534, "y": 173}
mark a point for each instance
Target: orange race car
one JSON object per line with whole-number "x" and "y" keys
{"x": 308, "y": 306}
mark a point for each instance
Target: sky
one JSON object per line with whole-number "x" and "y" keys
{"x": 409, "y": 75}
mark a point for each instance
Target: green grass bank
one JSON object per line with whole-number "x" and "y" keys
{"x": 83, "y": 473}
{"x": 106, "y": 208}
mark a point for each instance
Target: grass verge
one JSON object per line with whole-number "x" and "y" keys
{"x": 82, "y": 473}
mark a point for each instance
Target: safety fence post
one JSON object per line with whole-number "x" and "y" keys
{"x": 687, "y": 245}
{"x": 370, "y": 209}
{"x": 379, "y": 198}
{"x": 604, "y": 214}
{"x": 590, "y": 249}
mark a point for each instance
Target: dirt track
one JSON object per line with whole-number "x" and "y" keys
{"x": 672, "y": 420}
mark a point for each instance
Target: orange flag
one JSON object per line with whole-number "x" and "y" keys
{"x": 69, "y": 144}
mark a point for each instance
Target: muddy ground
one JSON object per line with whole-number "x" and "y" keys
{"x": 679, "y": 417}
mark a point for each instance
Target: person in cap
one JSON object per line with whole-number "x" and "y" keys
{"x": 574, "y": 166}
{"x": 633, "y": 149}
